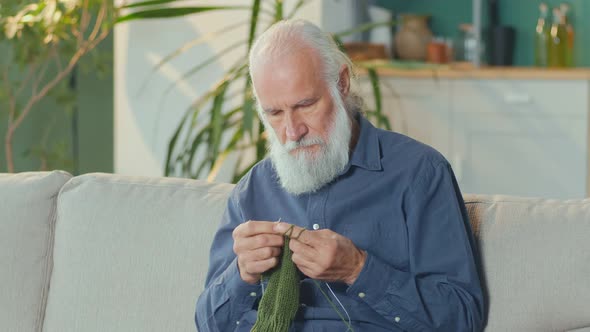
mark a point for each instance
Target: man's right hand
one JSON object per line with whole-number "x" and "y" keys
{"x": 257, "y": 246}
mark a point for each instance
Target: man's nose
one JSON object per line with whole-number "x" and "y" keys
{"x": 295, "y": 128}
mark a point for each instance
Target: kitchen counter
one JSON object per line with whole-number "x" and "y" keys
{"x": 463, "y": 71}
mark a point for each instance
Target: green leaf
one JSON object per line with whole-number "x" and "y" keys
{"x": 260, "y": 143}
{"x": 364, "y": 27}
{"x": 197, "y": 141}
{"x": 374, "y": 78}
{"x": 381, "y": 119}
{"x": 172, "y": 12}
{"x": 253, "y": 23}
{"x": 278, "y": 10}
{"x": 192, "y": 113}
{"x": 339, "y": 43}
{"x": 248, "y": 110}
{"x": 171, "y": 145}
{"x": 240, "y": 174}
{"x": 217, "y": 122}
{"x": 148, "y": 3}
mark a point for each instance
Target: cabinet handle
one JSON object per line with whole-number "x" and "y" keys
{"x": 517, "y": 98}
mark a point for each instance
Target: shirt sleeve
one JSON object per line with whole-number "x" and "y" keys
{"x": 226, "y": 297}
{"x": 442, "y": 290}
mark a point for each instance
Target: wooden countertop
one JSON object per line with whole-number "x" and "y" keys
{"x": 463, "y": 71}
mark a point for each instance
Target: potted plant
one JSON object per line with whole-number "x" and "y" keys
{"x": 42, "y": 43}
{"x": 228, "y": 126}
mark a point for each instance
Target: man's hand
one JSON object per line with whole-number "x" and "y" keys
{"x": 324, "y": 254}
{"x": 257, "y": 246}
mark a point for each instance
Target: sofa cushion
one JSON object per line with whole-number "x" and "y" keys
{"x": 536, "y": 258}
{"x": 131, "y": 254}
{"x": 27, "y": 217}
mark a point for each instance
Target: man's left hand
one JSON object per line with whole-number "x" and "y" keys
{"x": 324, "y": 254}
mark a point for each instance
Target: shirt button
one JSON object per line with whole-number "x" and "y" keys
{"x": 397, "y": 319}
{"x": 316, "y": 227}
{"x": 253, "y": 294}
{"x": 238, "y": 323}
{"x": 361, "y": 295}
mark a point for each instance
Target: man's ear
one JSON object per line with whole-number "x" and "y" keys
{"x": 344, "y": 81}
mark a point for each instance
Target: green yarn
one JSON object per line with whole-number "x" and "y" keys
{"x": 280, "y": 301}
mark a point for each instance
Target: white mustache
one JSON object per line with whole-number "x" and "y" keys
{"x": 304, "y": 142}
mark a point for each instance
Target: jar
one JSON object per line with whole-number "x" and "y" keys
{"x": 412, "y": 38}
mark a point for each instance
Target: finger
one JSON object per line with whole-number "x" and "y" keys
{"x": 254, "y": 227}
{"x": 303, "y": 249}
{"x": 265, "y": 253}
{"x": 257, "y": 241}
{"x": 294, "y": 232}
{"x": 258, "y": 267}
{"x": 308, "y": 268}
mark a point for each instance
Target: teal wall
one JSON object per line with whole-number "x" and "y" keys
{"x": 95, "y": 124}
{"x": 522, "y": 14}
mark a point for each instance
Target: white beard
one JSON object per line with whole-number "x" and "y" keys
{"x": 308, "y": 172}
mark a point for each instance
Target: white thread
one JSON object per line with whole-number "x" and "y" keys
{"x": 340, "y": 303}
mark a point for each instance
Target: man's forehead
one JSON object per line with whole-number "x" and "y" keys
{"x": 287, "y": 82}
{"x": 300, "y": 59}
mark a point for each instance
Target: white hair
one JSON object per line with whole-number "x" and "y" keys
{"x": 289, "y": 36}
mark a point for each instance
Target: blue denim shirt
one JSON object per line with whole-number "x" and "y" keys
{"x": 398, "y": 200}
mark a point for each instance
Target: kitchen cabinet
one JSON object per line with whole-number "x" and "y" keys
{"x": 519, "y": 137}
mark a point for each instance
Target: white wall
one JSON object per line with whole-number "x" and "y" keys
{"x": 146, "y": 117}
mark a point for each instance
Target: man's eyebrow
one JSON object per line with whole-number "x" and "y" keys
{"x": 306, "y": 101}
{"x": 302, "y": 102}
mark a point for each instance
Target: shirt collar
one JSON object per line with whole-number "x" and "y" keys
{"x": 367, "y": 153}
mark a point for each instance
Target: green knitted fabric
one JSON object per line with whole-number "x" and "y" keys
{"x": 280, "y": 301}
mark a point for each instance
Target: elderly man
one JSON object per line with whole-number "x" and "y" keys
{"x": 388, "y": 239}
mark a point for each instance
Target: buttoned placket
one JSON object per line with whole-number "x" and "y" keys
{"x": 316, "y": 209}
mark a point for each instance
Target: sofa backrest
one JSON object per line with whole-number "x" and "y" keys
{"x": 27, "y": 216}
{"x": 536, "y": 258}
{"x": 131, "y": 253}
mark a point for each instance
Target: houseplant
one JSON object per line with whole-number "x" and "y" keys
{"x": 222, "y": 121}
{"x": 42, "y": 43}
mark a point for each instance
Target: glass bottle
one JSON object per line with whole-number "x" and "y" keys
{"x": 466, "y": 48}
{"x": 569, "y": 52}
{"x": 542, "y": 37}
{"x": 558, "y": 40}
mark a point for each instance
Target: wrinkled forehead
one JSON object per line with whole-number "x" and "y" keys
{"x": 295, "y": 53}
{"x": 287, "y": 79}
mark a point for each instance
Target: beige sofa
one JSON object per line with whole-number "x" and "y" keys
{"x": 111, "y": 253}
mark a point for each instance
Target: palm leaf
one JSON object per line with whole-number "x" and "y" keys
{"x": 278, "y": 10}
{"x": 204, "y": 64}
{"x": 374, "y": 78}
{"x": 187, "y": 46}
{"x": 253, "y": 23}
{"x": 148, "y": 3}
{"x": 364, "y": 27}
{"x": 172, "y": 12}
{"x": 172, "y": 144}
{"x": 216, "y": 122}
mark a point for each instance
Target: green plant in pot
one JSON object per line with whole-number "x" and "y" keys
{"x": 199, "y": 147}
{"x": 41, "y": 44}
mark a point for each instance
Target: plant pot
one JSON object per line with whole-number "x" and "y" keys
{"x": 411, "y": 41}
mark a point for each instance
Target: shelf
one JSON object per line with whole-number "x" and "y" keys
{"x": 462, "y": 71}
